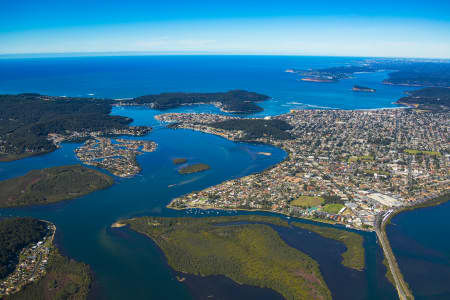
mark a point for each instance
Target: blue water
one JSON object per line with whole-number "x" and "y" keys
{"x": 128, "y": 266}
{"x": 123, "y": 77}
{"x": 420, "y": 241}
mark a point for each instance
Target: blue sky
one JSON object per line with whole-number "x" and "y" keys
{"x": 353, "y": 28}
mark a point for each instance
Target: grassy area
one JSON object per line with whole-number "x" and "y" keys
{"x": 307, "y": 201}
{"x": 354, "y": 256}
{"x": 179, "y": 161}
{"x": 418, "y": 152}
{"x": 51, "y": 185}
{"x": 194, "y": 168}
{"x": 360, "y": 158}
{"x": 252, "y": 254}
{"x": 332, "y": 208}
{"x": 65, "y": 279}
{"x": 388, "y": 274}
{"x": 379, "y": 172}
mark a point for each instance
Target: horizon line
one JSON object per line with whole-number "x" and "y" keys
{"x": 188, "y": 53}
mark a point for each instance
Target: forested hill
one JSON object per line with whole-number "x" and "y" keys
{"x": 257, "y": 128}
{"x": 236, "y": 101}
{"x": 27, "y": 119}
{"x": 51, "y": 185}
{"x": 15, "y": 234}
{"x": 435, "y": 99}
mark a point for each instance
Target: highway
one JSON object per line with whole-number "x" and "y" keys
{"x": 403, "y": 290}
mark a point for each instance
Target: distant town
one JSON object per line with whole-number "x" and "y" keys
{"x": 342, "y": 166}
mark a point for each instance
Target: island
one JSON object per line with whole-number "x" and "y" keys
{"x": 31, "y": 266}
{"x": 44, "y": 186}
{"x": 358, "y": 88}
{"x": 33, "y": 124}
{"x": 179, "y": 161}
{"x": 432, "y": 99}
{"x": 194, "y": 168}
{"x": 117, "y": 156}
{"x": 251, "y": 253}
{"x": 235, "y": 101}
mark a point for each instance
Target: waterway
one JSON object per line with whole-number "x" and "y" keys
{"x": 128, "y": 266}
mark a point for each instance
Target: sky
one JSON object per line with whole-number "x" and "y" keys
{"x": 334, "y": 28}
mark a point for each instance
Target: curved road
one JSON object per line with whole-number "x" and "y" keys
{"x": 402, "y": 288}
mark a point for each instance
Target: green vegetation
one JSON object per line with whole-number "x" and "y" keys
{"x": 332, "y": 208}
{"x": 16, "y": 234}
{"x": 257, "y": 128}
{"x": 179, "y": 161}
{"x": 236, "y": 101}
{"x": 252, "y": 254}
{"x": 51, "y": 185}
{"x": 354, "y": 256}
{"x": 388, "y": 274}
{"x": 360, "y": 158}
{"x": 27, "y": 119}
{"x": 422, "y": 152}
{"x": 434, "y": 99}
{"x": 65, "y": 279}
{"x": 195, "y": 168}
{"x": 307, "y": 201}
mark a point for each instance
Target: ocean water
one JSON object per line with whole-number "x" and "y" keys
{"x": 127, "y": 265}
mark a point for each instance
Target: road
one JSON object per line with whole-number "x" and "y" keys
{"x": 403, "y": 290}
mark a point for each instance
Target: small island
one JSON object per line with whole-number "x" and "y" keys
{"x": 358, "y": 88}
{"x": 39, "y": 187}
{"x": 251, "y": 253}
{"x": 179, "y": 161}
{"x": 194, "y": 168}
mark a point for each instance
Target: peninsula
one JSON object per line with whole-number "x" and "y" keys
{"x": 407, "y": 72}
{"x": 39, "y": 187}
{"x": 236, "y": 101}
{"x": 355, "y": 165}
{"x": 33, "y": 124}
{"x": 251, "y": 253}
{"x": 31, "y": 266}
{"x": 118, "y": 157}
{"x": 433, "y": 99}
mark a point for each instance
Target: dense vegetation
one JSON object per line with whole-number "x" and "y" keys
{"x": 236, "y": 101}
{"x": 435, "y": 99}
{"x": 354, "y": 256}
{"x": 16, "y": 234}
{"x": 257, "y": 128}
{"x": 65, "y": 279}
{"x": 252, "y": 254}
{"x": 179, "y": 161}
{"x": 27, "y": 119}
{"x": 51, "y": 185}
{"x": 194, "y": 168}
